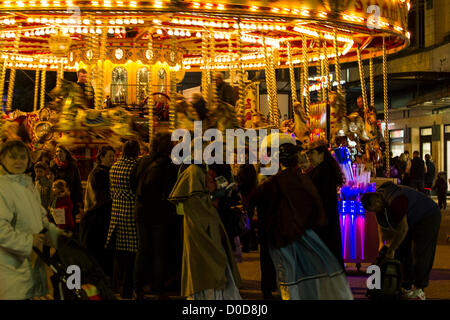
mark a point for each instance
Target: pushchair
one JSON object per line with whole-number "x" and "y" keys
{"x": 94, "y": 283}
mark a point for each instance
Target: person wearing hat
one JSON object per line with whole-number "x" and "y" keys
{"x": 289, "y": 209}
{"x": 327, "y": 178}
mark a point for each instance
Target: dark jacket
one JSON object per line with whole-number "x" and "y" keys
{"x": 431, "y": 172}
{"x": 440, "y": 186}
{"x": 155, "y": 177}
{"x": 288, "y": 205}
{"x": 417, "y": 169}
{"x": 71, "y": 175}
{"x": 98, "y": 204}
{"x": 325, "y": 180}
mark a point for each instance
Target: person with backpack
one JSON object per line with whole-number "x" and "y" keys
{"x": 409, "y": 220}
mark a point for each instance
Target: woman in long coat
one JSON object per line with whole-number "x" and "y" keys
{"x": 122, "y": 234}
{"x": 209, "y": 271}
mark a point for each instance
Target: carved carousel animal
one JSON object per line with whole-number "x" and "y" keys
{"x": 78, "y": 124}
{"x": 373, "y": 151}
{"x": 301, "y": 123}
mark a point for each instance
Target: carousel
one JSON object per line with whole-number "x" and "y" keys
{"x": 137, "y": 52}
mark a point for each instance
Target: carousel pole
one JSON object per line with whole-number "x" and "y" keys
{"x": 36, "y": 91}
{"x": 205, "y": 57}
{"x": 12, "y": 73}
{"x": 327, "y": 70}
{"x": 302, "y": 85}
{"x": 268, "y": 81}
{"x": 212, "y": 45}
{"x": 173, "y": 86}
{"x": 2, "y": 83}
{"x": 101, "y": 78}
{"x": 230, "y": 53}
{"x": 291, "y": 73}
{"x": 361, "y": 76}
{"x": 372, "y": 95}
{"x": 337, "y": 65}
{"x": 43, "y": 75}
{"x": 322, "y": 76}
{"x": 241, "y": 102}
{"x": 273, "y": 86}
{"x": 150, "y": 101}
{"x": 60, "y": 74}
{"x": 386, "y": 109}
{"x": 305, "y": 74}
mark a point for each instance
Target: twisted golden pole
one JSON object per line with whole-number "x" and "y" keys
{"x": 230, "y": 53}
{"x": 337, "y": 65}
{"x": 241, "y": 102}
{"x": 212, "y": 46}
{"x": 101, "y": 79}
{"x": 12, "y": 73}
{"x": 386, "y": 109}
{"x": 291, "y": 73}
{"x": 305, "y": 74}
{"x": 36, "y": 91}
{"x": 205, "y": 71}
{"x": 327, "y": 70}
{"x": 2, "y": 83}
{"x": 273, "y": 86}
{"x": 150, "y": 101}
{"x": 43, "y": 78}
{"x": 361, "y": 76}
{"x": 173, "y": 87}
{"x": 268, "y": 81}
{"x": 372, "y": 95}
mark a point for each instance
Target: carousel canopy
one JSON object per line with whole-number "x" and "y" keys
{"x": 49, "y": 34}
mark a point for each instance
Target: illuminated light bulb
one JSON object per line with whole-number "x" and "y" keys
{"x": 158, "y": 4}
{"x": 304, "y": 13}
{"x": 141, "y": 21}
{"x": 265, "y": 27}
{"x": 112, "y": 22}
{"x": 86, "y": 21}
{"x": 198, "y": 35}
{"x": 182, "y": 33}
{"x": 30, "y": 20}
{"x": 117, "y": 30}
{"x": 188, "y": 34}
{"x": 78, "y": 30}
{"x": 37, "y": 20}
{"x": 159, "y": 31}
{"x": 275, "y": 10}
{"x": 111, "y": 30}
{"x": 47, "y": 31}
{"x": 170, "y": 33}
{"x": 133, "y": 21}
{"x": 271, "y": 27}
{"x": 119, "y": 3}
{"x": 72, "y": 21}
{"x": 119, "y": 21}
{"x": 254, "y": 8}
{"x": 201, "y": 23}
{"x": 91, "y": 30}
{"x": 196, "y": 5}
{"x": 177, "y": 33}
{"x": 85, "y": 30}
{"x": 58, "y": 21}
{"x": 220, "y": 7}
{"x": 208, "y": 6}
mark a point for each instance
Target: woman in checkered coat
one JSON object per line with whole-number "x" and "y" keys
{"x": 122, "y": 234}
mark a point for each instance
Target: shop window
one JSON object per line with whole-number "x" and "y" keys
{"x": 426, "y": 131}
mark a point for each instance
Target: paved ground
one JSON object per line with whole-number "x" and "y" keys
{"x": 439, "y": 287}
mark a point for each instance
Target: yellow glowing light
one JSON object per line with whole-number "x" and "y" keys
{"x": 275, "y": 10}
{"x": 20, "y": 4}
{"x": 220, "y": 7}
{"x": 254, "y": 8}
{"x": 134, "y": 4}
{"x": 196, "y": 5}
{"x": 305, "y": 13}
{"x": 208, "y": 6}
{"x": 158, "y": 4}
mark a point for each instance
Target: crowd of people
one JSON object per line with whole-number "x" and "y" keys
{"x": 156, "y": 227}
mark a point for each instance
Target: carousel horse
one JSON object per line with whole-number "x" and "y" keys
{"x": 79, "y": 124}
{"x": 372, "y": 151}
{"x": 301, "y": 123}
